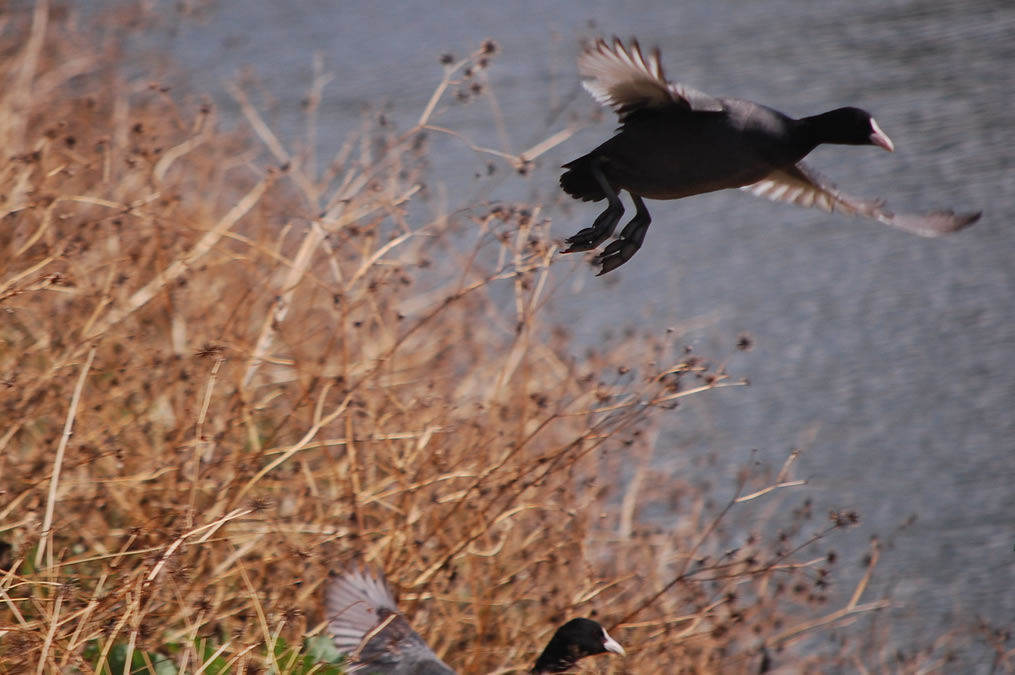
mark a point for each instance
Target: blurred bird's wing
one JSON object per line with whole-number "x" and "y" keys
{"x": 365, "y": 625}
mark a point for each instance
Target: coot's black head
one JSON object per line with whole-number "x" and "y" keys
{"x": 575, "y": 640}
{"x": 849, "y": 126}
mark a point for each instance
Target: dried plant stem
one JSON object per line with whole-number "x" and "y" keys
{"x": 117, "y": 628}
{"x": 852, "y": 608}
{"x": 53, "y": 623}
{"x": 85, "y": 614}
{"x": 320, "y": 421}
{"x": 54, "y": 481}
{"x": 781, "y": 481}
{"x": 280, "y": 306}
{"x": 29, "y": 67}
{"x": 273, "y": 143}
{"x": 206, "y": 532}
{"x": 200, "y": 443}
{"x": 179, "y": 267}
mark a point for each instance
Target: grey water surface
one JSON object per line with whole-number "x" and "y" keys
{"x": 887, "y": 359}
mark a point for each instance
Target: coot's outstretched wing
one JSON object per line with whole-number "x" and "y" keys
{"x": 624, "y": 79}
{"x": 803, "y": 186}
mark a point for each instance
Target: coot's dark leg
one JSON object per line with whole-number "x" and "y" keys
{"x": 606, "y": 223}
{"x": 629, "y": 241}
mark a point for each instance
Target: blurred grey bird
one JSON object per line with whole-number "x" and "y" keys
{"x": 366, "y": 626}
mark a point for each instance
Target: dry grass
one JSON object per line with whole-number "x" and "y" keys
{"x": 225, "y": 373}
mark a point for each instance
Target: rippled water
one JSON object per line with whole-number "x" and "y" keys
{"x": 886, "y": 358}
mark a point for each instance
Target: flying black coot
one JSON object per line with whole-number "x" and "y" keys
{"x": 675, "y": 141}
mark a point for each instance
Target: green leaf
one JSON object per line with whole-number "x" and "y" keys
{"x": 117, "y": 657}
{"x": 204, "y": 650}
{"x": 322, "y": 649}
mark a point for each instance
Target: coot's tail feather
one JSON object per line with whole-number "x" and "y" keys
{"x": 579, "y": 182}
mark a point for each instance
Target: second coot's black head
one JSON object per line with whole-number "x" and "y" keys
{"x": 575, "y": 640}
